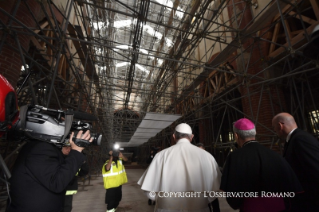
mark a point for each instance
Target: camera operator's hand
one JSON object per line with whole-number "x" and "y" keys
{"x": 111, "y": 153}
{"x": 122, "y": 156}
{"x": 85, "y": 136}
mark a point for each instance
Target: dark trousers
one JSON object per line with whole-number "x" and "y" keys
{"x": 303, "y": 202}
{"x": 68, "y": 203}
{"x": 214, "y": 206}
{"x": 113, "y": 197}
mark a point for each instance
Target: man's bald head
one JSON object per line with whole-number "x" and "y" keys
{"x": 283, "y": 124}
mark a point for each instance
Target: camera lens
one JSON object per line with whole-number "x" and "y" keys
{"x": 115, "y": 153}
{"x": 97, "y": 138}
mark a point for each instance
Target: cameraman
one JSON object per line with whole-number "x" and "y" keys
{"x": 41, "y": 175}
{"x": 114, "y": 176}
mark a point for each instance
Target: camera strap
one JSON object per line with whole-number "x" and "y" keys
{"x": 68, "y": 125}
{"x": 23, "y": 115}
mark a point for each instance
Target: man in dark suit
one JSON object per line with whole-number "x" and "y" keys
{"x": 257, "y": 170}
{"x": 302, "y": 153}
{"x": 41, "y": 175}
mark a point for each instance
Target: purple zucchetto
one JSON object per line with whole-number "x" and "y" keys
{"x": 244, "y": 124}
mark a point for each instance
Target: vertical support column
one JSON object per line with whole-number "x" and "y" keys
{"x": 174, "y": 94}
{"x": 258, "y": 103}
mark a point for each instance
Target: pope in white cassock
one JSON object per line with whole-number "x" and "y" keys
{"x": 182, "y": 176}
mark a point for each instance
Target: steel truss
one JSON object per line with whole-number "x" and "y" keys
{"x": 216, "y": 97}
{"x": 203, "y": 59}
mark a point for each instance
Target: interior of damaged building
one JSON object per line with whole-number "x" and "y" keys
{"x": 141, "y": 67}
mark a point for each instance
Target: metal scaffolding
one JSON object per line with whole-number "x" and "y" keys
{"x": 211, "y": 61}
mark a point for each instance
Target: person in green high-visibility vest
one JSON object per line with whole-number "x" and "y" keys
{"x": 72, "y": 187}
{"x": 114, "y": 176}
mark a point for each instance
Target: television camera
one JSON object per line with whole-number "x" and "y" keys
{"x": 40, "y": 123}
{"x": 53, "y": 126}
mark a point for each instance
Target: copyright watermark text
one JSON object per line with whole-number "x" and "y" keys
{"x": 212, "y": 194}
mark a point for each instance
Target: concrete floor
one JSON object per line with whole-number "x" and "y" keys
{"x": 90, "y": 198}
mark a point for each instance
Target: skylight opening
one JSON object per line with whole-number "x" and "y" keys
{"x": 99, "y": 25}
{"x": 121, "y": 47}
{"x": 179, "y": 13}
{"x": 152, "y": 32}
{"x": 159, "y": 62}
{"x": 121, "y": 64}
{"x": 144, "y": 51}
{"x": 98, "y": 50}
{"x": 168, "y": 42}
{"x": 148, "y": 29}
{"x": 141, "y": 68}
{"x": 158, "y": 35}
{"x": 123, "y": 23}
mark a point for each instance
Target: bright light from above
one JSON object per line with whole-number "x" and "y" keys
{"x": 116, "y": 146}
{"x": 159, "y": 62}
{"x": 146, "y": 28}
{"x": 152, "y": 32}
{"x": 158, "y": 35}
{"x": 121, "y": 64}
{"x": 99, "y": 25}
{"x": 170, "y": 4}
{"x": 144, "y": 51}
{"x": 141, "y": 50}
{"x": 121, "y": 47}
{"x": 136, "y": 65}
{"x": 124, "y": 23}
{"x": 141, "y": 68}
{"x": 169, "y": 43}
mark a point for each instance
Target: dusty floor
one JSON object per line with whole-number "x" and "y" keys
{"x": 91, "y": 199}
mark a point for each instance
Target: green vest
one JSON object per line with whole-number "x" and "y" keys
{"x": 116, "y": 176}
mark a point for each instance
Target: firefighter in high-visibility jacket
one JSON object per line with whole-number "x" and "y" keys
{"x": 114, "y": 176}
{"x": 72, "y": 187}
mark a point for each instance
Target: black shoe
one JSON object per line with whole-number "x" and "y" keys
{"x": 149, "y": 202}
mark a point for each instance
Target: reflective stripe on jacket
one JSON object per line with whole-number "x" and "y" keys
{"x": 71, "y": 192}
{"x": 116, "y": 176}
{"x": 72, "y": 186}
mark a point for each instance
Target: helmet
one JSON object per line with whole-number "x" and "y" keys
{"x": 9, "y": 113}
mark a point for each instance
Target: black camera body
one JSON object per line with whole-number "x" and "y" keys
{"x": 115, "y": 153}
{"x": 84, "y": 126}
{"x": 46, "y": 125}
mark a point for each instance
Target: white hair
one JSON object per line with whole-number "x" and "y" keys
{"x": 245, "y": 133}
{"x": 179, "y": 135}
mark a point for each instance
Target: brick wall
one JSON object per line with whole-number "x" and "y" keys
{"x": 10, "y": 59}
{"x": 271, "y": 99}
